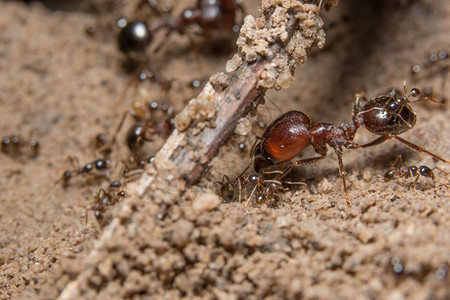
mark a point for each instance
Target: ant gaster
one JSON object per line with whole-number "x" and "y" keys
{"x": 213, "y": 17}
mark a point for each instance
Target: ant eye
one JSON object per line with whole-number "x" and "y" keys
{"x": 414, "y": 92}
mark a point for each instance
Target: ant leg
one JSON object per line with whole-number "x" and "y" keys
{"x": 112, "y": 141}
{"x": 241, "y": 8}
{"x": 297, "y": 163}
{"x": 376, "y": 141}
{"x": 413, "y": 184}
{"x": 397, "y": 162}
{"x": 359, "y": 100}
{"x": 418, "y": 148}
{"x": 383, "y": 138}
{"x": 342, "y": 172}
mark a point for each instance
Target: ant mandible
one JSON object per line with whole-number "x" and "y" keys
{"x": 213, "y": 17}
{"x": 387, "y": 115}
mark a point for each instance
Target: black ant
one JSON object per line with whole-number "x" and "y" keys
{"x": 15, "y": 145}
{"x": 387, "y": 115}
{"x": 434, "y": 65}
{"x": 147, "y": 126}
{"x": 213, "y": 17}
{"x": 432, "y": 60}
{"x": 99, "y": 165}
{"x": 106, "y": 199}
{"x": 253, "y": 186}
{"x": 397, "y": 171}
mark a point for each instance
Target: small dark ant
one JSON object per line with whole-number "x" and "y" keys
{"x": 387, "y": 115}
{"x": 146, "y": 127}
{"x": 15, "y": 145}
{"x": 398, "y": 171}
{"x": 106, "y": 199}
{"x": 432, "y": 60}
{"x": 99, "y": 165}
{"x": 213, "y": 17}
{"x": 253, "y": 186}
{"x": 434, "y": 65}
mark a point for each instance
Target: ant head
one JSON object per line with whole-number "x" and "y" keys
{"x": 390, "y": 174}
{"x": 134, "y": 36}
{"x": 261, "y": 161}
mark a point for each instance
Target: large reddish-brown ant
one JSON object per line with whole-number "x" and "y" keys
{"x": 387, "y": 115}
{"x": 398, "y": 171}
{"x": 15, "y": 145}
{"x": 292, "y": 132}
{"x": 212, "y": 17}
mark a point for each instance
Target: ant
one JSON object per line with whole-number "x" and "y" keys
{"x": 99, "y": 165}
{"x": 254, "y": 186}
{"x": 15, "y": 145}
{"x": 292, "y": 132}
{"x": 434, "y": 65}
{"x": 213, "y": 17}
{"x": 106, "y": 199}
{"x": 145, "y": 127}
{"x": 387, "y": 115}
{"x": 432, "y": 60}
{"x": 397, "y": 171}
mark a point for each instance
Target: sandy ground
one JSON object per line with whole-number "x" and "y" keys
{"x": 61, "y": 86}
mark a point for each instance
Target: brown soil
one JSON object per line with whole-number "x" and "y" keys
{"x": 61, "y": 86}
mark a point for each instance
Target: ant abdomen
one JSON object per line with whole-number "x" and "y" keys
{"x": 134, "y": 36}
{"x": 283, "y": 140}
